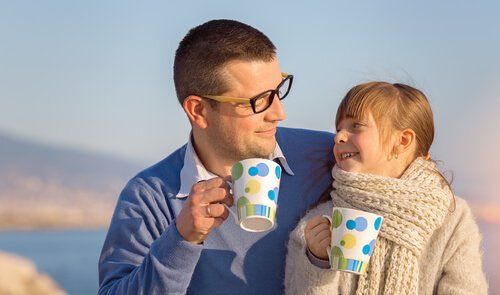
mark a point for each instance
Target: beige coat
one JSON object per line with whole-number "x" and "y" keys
{"x": 450, "y": 263}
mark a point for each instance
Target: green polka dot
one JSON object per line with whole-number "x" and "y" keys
{"x": 236, "y": 171}
{"x": 336, "y": 219}
{"x": 242, "y": 201}
{"x": 337, "y": 252}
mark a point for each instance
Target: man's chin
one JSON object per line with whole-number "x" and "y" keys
{"x": 266, "y": 150}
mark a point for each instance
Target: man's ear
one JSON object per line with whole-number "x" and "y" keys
{"x": 405, "y": 141}
{"x": 195, "y": 108}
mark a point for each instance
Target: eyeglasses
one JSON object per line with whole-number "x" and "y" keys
{"x": 261, "y": 101}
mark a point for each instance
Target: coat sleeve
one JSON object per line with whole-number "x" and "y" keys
{"x": 143, "y": 252}
{"x": 462, "y": 271}
{"x": 301, "y": 276}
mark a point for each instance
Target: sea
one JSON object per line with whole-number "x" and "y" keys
{"x": 70, "y": 257}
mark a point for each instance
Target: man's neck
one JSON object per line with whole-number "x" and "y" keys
{"x": 213, "y": 162}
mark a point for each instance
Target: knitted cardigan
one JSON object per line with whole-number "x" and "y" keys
{"x": 449, "y": 264}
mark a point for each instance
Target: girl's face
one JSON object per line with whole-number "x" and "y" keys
{"x": 358, "y": 148}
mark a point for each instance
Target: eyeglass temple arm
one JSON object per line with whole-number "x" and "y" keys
{"x": 222, "y": 98}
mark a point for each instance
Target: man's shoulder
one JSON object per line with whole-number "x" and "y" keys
{"x": 304, "y": 141}
{"x": 167, "y": 169}
{"x": 303, "y": 136}
{"x": 306, "y": 149}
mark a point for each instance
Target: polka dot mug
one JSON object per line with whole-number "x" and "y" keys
{"x": 255, "y": 186}
{"x": 354, "y": 233}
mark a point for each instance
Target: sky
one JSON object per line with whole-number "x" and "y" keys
{"x": 97, "y": 75}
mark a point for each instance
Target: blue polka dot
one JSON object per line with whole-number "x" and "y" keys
{"x": 253, "y": 171}
{"x": 278, "y": 172}
{"x": 367, "y": 249}
{"x": 271, "y": 195}
{"x": 361, "y": 224}
{"x": 350, "y": 224}
{"x": 263, "y": 169}
{"x": 378, "y": 221}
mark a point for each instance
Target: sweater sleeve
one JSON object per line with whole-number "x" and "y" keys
{"x": 301, "y": 276}
{"x": 143, "y": 252}
{"x": 462, "y": 271}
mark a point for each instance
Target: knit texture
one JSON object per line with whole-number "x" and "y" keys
{"x": 413, "y": 207}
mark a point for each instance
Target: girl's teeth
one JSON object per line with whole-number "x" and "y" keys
{"x": 347, "y": 155}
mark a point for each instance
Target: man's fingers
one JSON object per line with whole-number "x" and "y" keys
{"x": 216, "y": 210}
{"x": 228, "y": 200}
{"x": 214, "y": 190}
{"x": 204, "y": 209}
{"x": 209, "y": 184}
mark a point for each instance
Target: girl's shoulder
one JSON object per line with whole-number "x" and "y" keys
{"x": 459, "y": 211}
{"x": 460, "y": 223}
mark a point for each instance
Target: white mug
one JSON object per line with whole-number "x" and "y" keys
{"x": 255, "y": 186}
{"x": 354, "y": 233}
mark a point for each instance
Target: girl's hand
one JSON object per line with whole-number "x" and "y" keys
{"x": 318, "y": 236}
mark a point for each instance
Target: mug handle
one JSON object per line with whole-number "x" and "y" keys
{"x": 328, "y": 250}
{"x": 231, "y": 212}
{"x": 235, "y": 216}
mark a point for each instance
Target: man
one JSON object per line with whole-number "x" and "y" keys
{"x": 169, "y": 233}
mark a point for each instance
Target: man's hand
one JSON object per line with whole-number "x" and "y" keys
{"x": 318, "y": 236}
{"x": 204, "y": 209}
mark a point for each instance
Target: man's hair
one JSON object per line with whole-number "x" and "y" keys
{"x": 207, "y": 48}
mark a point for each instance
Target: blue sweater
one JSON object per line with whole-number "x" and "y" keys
{"x": 144, "y": 253}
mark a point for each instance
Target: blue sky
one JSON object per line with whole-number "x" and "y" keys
{"x": 97, "y": 75}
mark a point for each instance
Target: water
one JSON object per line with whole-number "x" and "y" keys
{"x": 69, "y": 257}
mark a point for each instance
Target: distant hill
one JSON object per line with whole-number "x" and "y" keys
{"x": 44, "y": 186}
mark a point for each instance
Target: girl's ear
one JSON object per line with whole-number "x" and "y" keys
{"x": 196, "y": 110}
{"x": 405, "y": 141}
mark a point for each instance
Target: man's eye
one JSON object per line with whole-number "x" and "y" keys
{"x": 261, "y": 99}
{"x": 244, "y": 105}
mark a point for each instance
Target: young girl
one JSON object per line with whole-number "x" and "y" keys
{"x": 428, "y": 242}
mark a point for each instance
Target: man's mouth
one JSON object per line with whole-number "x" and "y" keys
{"x": 267, "y": 131}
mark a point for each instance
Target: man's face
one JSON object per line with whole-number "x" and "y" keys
{"x": 233, "y": 130}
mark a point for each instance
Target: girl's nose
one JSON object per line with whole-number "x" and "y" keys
{"x": 341, "y": 137}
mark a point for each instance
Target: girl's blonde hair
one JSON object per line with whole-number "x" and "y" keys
{"x": 393, "y": 107}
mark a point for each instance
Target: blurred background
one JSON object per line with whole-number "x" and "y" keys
{"x": 87, "y": 101}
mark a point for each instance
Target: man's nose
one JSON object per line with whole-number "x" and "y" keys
{"x": 276, "y": 111}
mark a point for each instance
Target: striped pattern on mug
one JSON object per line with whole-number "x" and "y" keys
{"x": 351, "y": 265}
{"x": 256, "y": 210}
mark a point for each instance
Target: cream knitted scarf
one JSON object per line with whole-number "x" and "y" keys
{"x": 413, "y": 206}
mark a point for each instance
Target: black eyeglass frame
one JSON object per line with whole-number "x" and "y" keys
{"x": 253, "y": 100}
